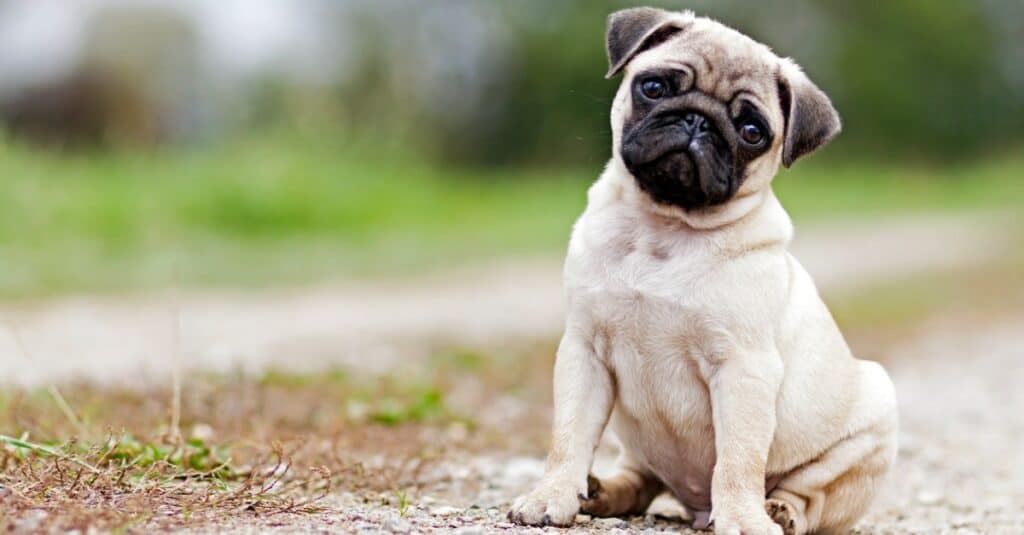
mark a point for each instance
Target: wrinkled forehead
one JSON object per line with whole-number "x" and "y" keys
{"x": 722, "y": 61}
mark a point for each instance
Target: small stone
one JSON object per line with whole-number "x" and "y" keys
{"x": 397, "y": 525}
{"x": 445, "y": 510}
{"x": 929, "y": 497}
{"x": 582, "y": 519}
{"x": 470, "y": 530}
{"x": 610, "y": 523}
{"x": 202, "y": 432}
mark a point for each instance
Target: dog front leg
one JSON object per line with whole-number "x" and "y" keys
{"x": 743, "y": 395}
{"x": 583, "y": 396}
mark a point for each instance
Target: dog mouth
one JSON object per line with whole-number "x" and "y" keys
{"x": 681, "y": 161}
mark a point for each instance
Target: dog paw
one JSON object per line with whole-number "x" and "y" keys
{"x": 782, "y": 514}
{"x": 746, "y": 523}
{"x": 550, "y": 504}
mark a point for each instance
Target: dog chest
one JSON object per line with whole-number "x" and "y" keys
{"x": 663, "y": 408}
{"x": 647, "y": 310}
{"x": 653, "y": 319}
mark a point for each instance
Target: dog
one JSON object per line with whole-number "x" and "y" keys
{"x": 690, "y": 328}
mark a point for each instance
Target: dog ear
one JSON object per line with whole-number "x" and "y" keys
{"x": 631, "y": 31}
{"x": 810, "y": 119}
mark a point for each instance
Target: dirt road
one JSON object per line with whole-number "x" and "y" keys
{"x": 960, "y": 468}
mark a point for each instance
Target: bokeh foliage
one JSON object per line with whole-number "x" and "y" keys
{"x": 912, "y": 78}
{"x": 466, "y": 129}
{"x": 288, "y": 208}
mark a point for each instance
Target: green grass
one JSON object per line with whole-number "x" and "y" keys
{"x": 284, "y": 209}
{"x": 853, "y": 191}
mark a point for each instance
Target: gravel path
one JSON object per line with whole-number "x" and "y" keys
{"x": 960, "y": 468}
{"x": 961, "y": 464}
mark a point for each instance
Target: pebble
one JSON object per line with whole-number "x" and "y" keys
{"x": 929, "y": 497}
{"x": 397, "y": 525}
{"x": 202, "y": 432}
{"x": 610, "y": 523}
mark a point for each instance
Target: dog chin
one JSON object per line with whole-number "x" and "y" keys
{"x": 675, "y": 179}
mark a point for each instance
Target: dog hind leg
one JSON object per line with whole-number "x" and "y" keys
{"x": 829, "y": 494}
{"x": 628, "y": 492}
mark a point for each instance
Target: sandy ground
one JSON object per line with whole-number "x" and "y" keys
{"x": 960, "y": 468}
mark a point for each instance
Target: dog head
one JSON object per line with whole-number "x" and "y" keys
{"x": 706, "y": 114}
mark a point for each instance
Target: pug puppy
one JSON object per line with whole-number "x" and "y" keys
{"x": 690, "y": 328}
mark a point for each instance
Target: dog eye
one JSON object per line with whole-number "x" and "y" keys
{"x": 654, "y": 88}
{"x": 751, "y": 133}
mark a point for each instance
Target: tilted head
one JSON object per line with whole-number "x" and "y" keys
{"x": 706, "y": 114}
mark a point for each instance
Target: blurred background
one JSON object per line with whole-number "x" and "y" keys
{"x": 385, "y": 189}
{"x": 240, "y": 142}
{"x": 325, "y": 153}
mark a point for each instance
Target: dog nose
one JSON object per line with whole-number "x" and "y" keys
{"x": 695, "y": 123}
